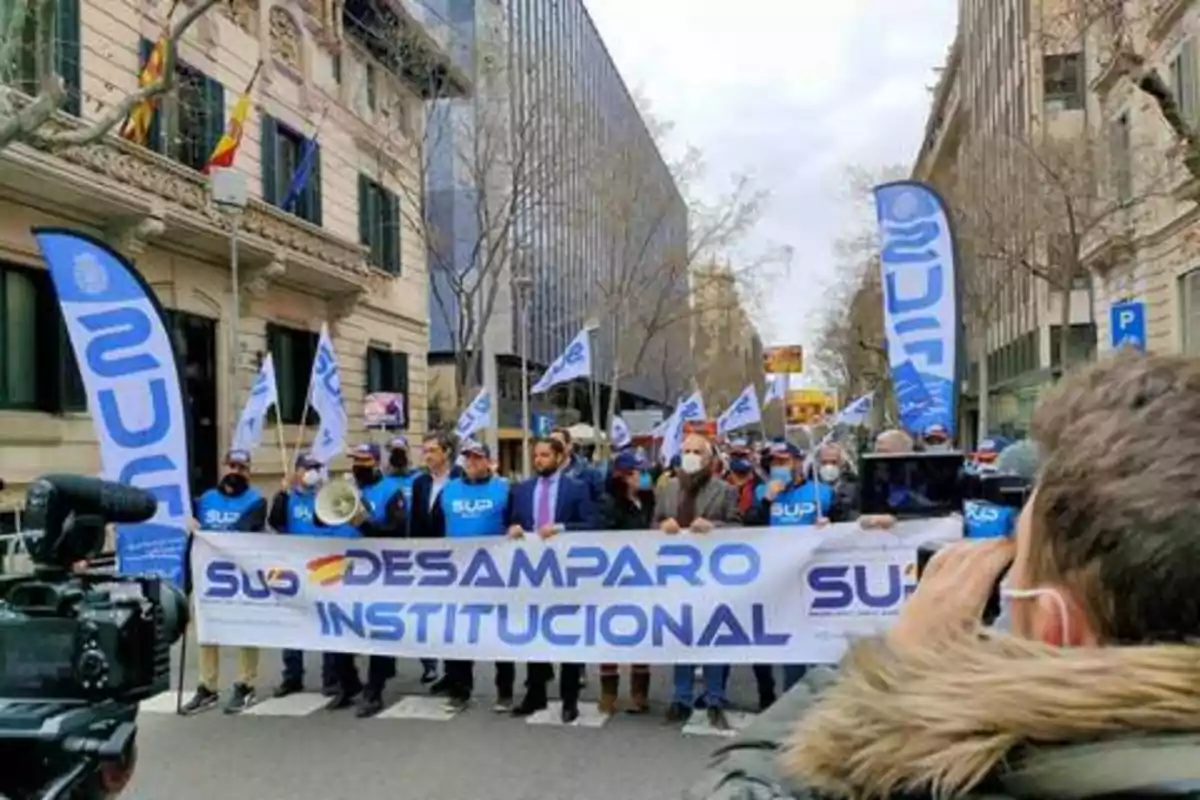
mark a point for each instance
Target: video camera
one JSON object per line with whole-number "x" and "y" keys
{"x": 78, "y": 651}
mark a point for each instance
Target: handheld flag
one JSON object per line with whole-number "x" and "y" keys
{"x": 777, "y": 386}
{"x": 620, "y": 433}
{"x": 325, "y": 394}
{"x": 476, "y": 417}
{"x": 744, "y": 411}
{"x": 263, "y": 395}
{"x": 136, "y": 127}
{"x": 688, "y": 410}
{"x": 134, "y": 392}
{"x": 575, "y": 362}
{"x": 856, "y": 413}
{"x": 226, "y": 150}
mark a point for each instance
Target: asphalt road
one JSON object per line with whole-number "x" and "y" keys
{"x": 292, "y": 749}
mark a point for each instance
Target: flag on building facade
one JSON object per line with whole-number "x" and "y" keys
{"x": 136, "y": 127}
{"x": 226, "y": 150}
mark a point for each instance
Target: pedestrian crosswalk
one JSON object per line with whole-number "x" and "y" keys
{"x": 433, "y": 709}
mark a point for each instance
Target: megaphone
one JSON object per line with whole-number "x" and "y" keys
{"x": 338, "y": 502}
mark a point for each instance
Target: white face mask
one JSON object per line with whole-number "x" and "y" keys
{"x": 1008, "y": 595}
{"x": 691, "y": 463}
{"x": 311, "y": 478}
{"x": 830, "y": 473}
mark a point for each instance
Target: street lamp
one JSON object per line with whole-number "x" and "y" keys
{"x": 229, "y": 195}
{"x": 522, "y": 285}
{"x": 592, "y": 325}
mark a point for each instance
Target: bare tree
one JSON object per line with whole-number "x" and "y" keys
{"x": 1116, "y": 32}
{"x": 655, "y": 231}
{"x": 1053, "y": 207}
{"x": 32, "y": 91}
{"x": 479, "y": 177}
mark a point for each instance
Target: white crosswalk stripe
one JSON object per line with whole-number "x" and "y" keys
{"x": 433, "y": 709}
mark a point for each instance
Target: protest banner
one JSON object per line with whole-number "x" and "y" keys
{"x": 744, "y": 595}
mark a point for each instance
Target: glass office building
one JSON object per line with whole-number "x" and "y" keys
{"x": 566, "y": 109}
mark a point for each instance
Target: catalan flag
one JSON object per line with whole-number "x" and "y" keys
{"x": 137, "y": 125}
{"x": 226, "y": 150}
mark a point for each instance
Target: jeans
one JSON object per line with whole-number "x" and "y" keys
{"x": 714, "y": 684}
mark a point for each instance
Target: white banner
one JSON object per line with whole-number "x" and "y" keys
{"x": 746, "y": 595}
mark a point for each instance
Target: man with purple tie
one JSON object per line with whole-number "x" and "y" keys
{"x": 545, "y": 506}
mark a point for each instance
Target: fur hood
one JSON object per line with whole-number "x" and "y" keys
{"x": 941, "y": 720}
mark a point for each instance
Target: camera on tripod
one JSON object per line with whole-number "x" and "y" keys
{"x": 78, "y": 651}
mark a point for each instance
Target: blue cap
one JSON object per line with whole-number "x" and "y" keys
{"x": 398, "y": 443}
{"x": 367, "y": 451}
{"x": 628, "y": 461}
{"x": 470, "y": 447}
{"x": 238, "y": 458}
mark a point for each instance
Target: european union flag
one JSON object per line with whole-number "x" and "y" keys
{"x": 302, "y": 175}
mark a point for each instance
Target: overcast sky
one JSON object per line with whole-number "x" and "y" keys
{"x": 792, "y": 92}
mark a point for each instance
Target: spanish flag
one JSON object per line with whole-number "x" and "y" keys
{"x": 226, "y": 149}
{"x": 137, "y": 125}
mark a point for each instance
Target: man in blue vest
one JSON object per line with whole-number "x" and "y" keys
{"x": 293, "y": 512}
{"x": 234, "y": 505}
{"x": 384, "y": 516}
{"x": 788, "y": 500}
{"x": 476, "y": 505}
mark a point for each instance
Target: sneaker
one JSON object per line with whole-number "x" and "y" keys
{"x": 717, "y": 719}
{"x": 287, "y": 688}
{"x": 678, "y": 712}
{"x": 503, "y": 705}
{"x": 242, "y": 698}
{"x": 440, "y": 687}
{"x": 454, "y": 705}
{"x": 428, "y": 674}
{"x": 570, "y": 713}
{"x": 368, "y": 706}
{"x": 202, "y": 700}
{"x": 530, "y": 706}
{"x": 339, "y": 701}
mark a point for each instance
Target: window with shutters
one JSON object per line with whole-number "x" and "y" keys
{"x": 38, "y": 371}
{"x": 293, "y": 351}
{"x": 379, "y": 224}
{"x": 1184, "y": 79}
{"x": 190, "y": 120}
{"x": 388, "y": 372}
{"x": 25, "y": 71}
{"x": 1189, "y": 307}
{"x": 291, "y": 170}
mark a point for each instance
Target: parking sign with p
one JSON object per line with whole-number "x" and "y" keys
{"x": 1128, "y": 323}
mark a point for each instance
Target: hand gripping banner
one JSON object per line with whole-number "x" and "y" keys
{"x": 745, "y": 595}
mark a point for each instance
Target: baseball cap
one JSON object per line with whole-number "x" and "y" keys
{"x": 238, "y": 458}
{"x": 398, "y": 443}
{"x": 367, "y": 451}
{"x": 307, "y": 461}
{"x": 936, "y": 429}
{"x": 786, "y": 449}
{"x": 628, "y": 461}
{"x": 470, "y": 447}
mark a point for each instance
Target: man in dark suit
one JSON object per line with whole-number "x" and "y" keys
{"x": 426, "y": 520}
{"x": 545, "y": 506}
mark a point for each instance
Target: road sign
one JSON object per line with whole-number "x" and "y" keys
{"x": 787, "y": 359}
{"x": 1128, "y": 323}
{"x": 541, "y": 423}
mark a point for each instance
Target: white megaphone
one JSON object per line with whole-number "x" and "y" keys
{"x": 338, "y": 502}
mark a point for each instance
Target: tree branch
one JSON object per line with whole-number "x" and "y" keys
{"x": 117, "y": 113}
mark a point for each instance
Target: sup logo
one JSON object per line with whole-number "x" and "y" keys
{"x": 845, "y": 588}
{"x": 226, "y": 580}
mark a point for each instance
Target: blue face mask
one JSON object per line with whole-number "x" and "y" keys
{"x": 740, "y": 466}
{"x": 643, "y": 480}
{"x": 781, "y": 474}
